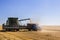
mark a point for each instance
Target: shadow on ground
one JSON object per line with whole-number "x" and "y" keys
{"x": 13, "y": 31}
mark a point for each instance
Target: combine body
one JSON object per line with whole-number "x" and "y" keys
{"x": 12, "y": 24}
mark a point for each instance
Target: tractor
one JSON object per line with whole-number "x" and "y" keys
{"x": 12, "y": 24}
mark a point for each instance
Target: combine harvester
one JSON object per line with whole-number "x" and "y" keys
{"x": 12, "y": 24}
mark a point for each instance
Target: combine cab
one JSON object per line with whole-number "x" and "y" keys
{"x": 12, "y": 24}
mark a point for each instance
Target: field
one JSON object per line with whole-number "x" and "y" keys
{"x": 31, "y": 35}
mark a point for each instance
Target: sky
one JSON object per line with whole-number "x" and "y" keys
{"x": 44, "y": 12}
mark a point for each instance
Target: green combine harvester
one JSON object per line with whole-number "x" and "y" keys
{"x": 12, "y": 24}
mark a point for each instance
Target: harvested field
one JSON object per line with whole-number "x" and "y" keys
{"x": 31, "y": 35}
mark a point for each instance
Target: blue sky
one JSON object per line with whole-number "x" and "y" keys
{"x": 46, "y": 12}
